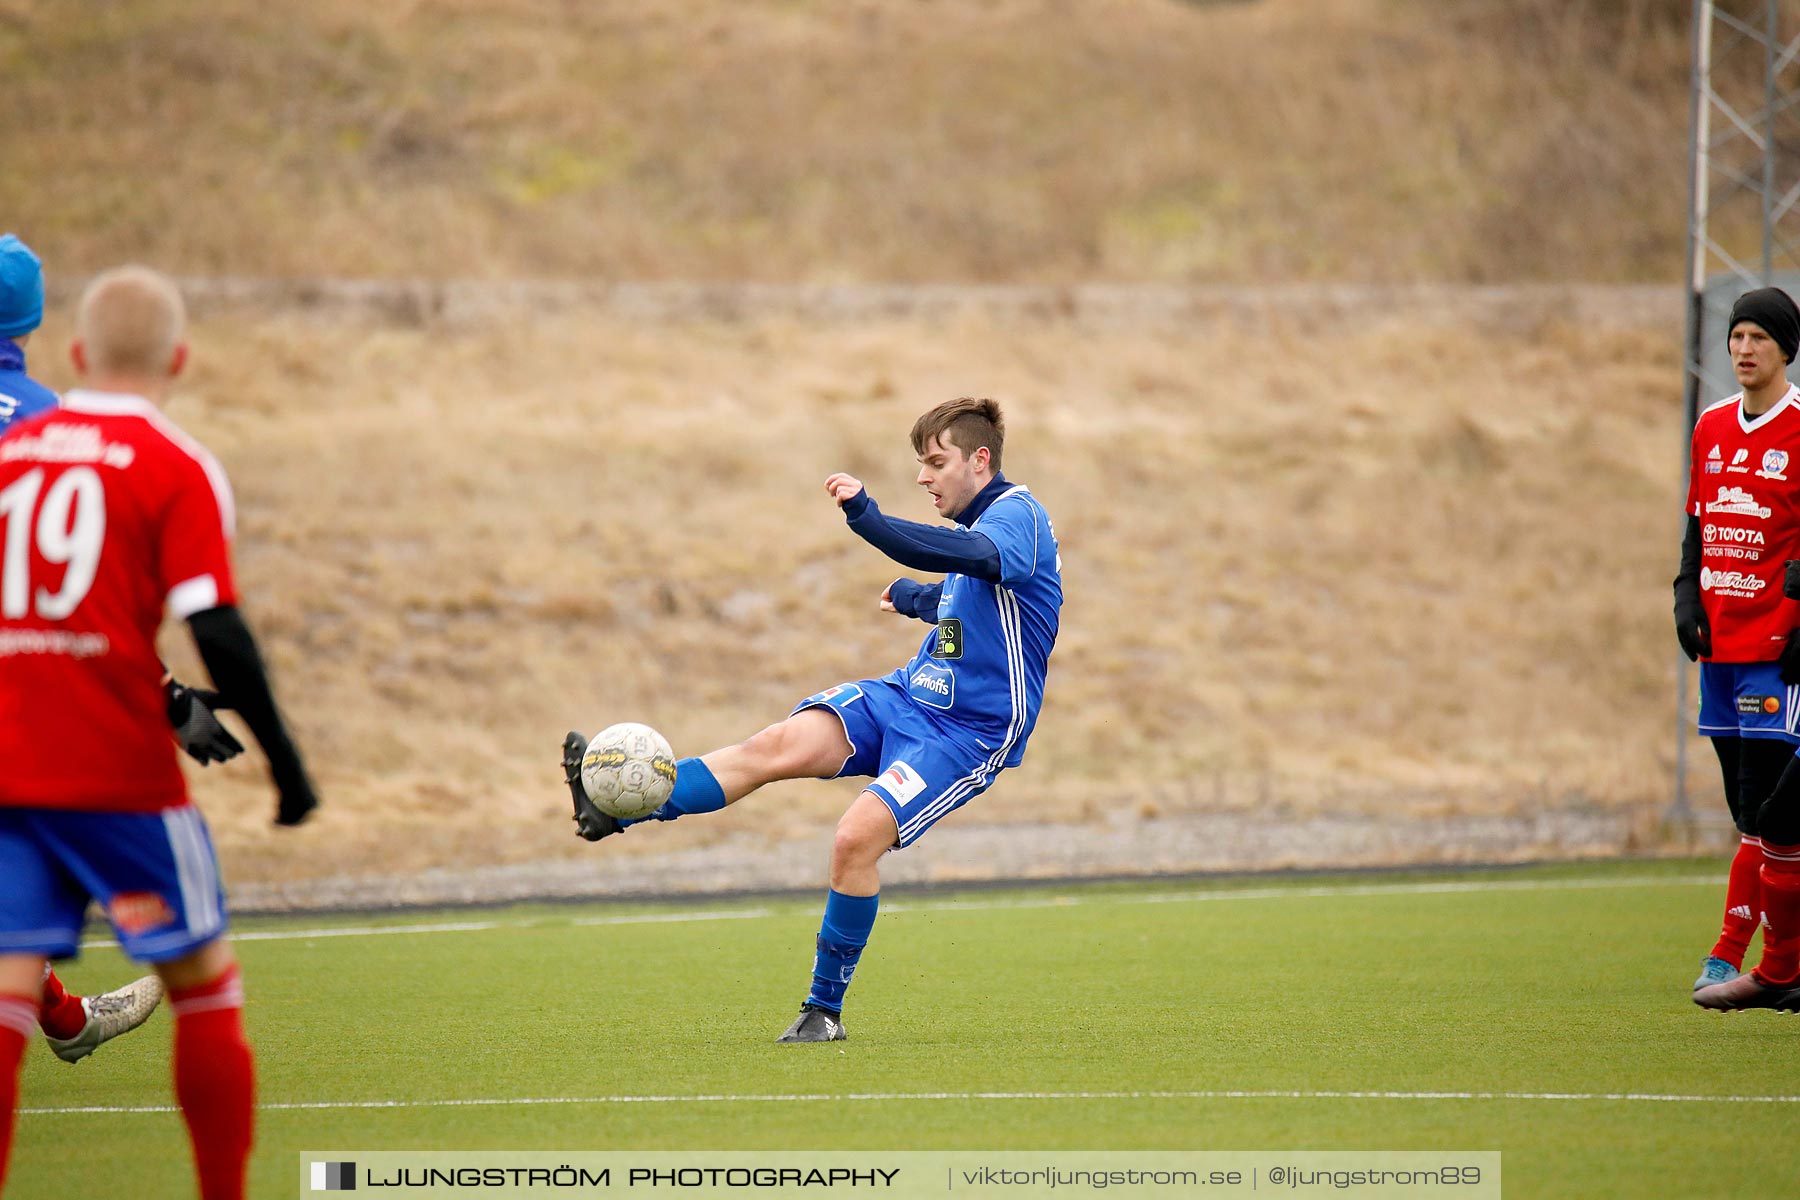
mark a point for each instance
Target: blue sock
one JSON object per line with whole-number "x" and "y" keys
{"x": 696, "y": 791}
{"x": 842, "y": 935}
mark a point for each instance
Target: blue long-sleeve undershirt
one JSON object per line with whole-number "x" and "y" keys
{"x": 913, "y": 599}
{"x": 923, "y": 547}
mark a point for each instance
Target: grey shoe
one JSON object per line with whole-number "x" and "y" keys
{"x": 109, "y": 1015}
{"x": 1747, "y": 991}
{"x": 815, "y": 1024}
{"x": 590, "y": 822}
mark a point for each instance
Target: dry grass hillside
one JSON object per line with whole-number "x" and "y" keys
{"x": 1411, "y": 561}
{"x": 873, "y": 140}
{"x": 1414, "y": 563}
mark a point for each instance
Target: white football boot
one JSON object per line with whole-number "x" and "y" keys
{"x": 108, "y": 1015}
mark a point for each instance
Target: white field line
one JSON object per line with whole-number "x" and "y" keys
{"x": 724, "y": 914}
{"x": 1071, "y": 901}
{"x": 289, "y": 935}
{"x": 905, "y": 1097}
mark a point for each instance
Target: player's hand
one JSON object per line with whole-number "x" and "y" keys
{"x": 1790, "y": 658}
{"x": 842, "y": 487}
{"x": 1790, "y": 583}
{"x": 901, "y": 598}
{"x": 190, "y": 712}
{"x": 1692, "y": 629}
{"x": 1695, "y": 636}
{"x": 295, "y": 796}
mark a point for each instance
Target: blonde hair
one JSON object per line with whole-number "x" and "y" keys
{"x": 130, "y": 321}
{"x": 966, "y": 423}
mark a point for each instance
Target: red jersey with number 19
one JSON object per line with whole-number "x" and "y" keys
{"x": 108, "y": 512}
{"x": 1744, "y": 485}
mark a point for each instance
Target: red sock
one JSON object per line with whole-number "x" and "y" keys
{"x": 60, "y": 1014}
{"x": 1743, "y": 902}
{"x": 215, "y": 1082}
{"x": 1781, "y": 915}
{"x": 18, "y": 1022}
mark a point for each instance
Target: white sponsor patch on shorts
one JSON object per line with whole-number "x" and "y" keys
{"x": 902, "y": 782}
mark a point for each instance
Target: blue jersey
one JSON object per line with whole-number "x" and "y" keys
{"x": 983, "y": 664}
{"x": 21, "y": 396}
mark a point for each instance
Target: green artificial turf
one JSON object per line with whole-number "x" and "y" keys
{"x": 1055, "y": 1017}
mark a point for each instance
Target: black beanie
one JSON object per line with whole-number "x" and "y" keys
{"x": 1775, "y": 311}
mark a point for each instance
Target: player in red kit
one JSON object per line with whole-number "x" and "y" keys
{"x": 1743, "y": 523}
{"x": 1730, "y": 609}
{"x": 76, "y": 1026}
{"x": 110, "y": 514}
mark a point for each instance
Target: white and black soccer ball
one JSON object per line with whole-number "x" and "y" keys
{"x": 628, "y": 770}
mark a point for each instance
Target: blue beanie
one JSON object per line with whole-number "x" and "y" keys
{"x": 21, "y": 288}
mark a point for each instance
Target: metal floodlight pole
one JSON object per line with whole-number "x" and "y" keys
{"x": 1739, "y": 210}
{"x": 1680, "y": 812}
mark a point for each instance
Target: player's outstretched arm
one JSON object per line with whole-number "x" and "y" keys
{"x": 911, "y": 544}
{"x": 236, "y": 665}
{"x": 912, "y": 599}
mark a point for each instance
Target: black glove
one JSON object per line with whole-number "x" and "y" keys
{"x": 1691, "y": 626}
{"x": 1790, "y": 658}
{"x": 1790, "y": 584}
{"x": 190, "y": 713}
{"x": 295, "y": 798}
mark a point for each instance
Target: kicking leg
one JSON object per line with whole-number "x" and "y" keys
{"x": 865, "y": 833}
{"x": 810, "y": 744}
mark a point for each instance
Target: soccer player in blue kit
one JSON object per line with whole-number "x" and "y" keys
{"x": 21, "y": 311}
{"x": 933, "y": 734}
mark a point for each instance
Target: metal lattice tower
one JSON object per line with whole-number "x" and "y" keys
{"x": 1743, "y": 224}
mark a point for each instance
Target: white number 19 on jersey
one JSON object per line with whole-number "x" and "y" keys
{"x": 70, "y": 527}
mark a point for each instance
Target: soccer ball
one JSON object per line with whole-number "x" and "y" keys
{"x": 628, "y": 770}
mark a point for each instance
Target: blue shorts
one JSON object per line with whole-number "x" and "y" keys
{"x": 1747, "y": 700}
{"x": 154, "y": 873}
{"x": 924, "y": 768}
